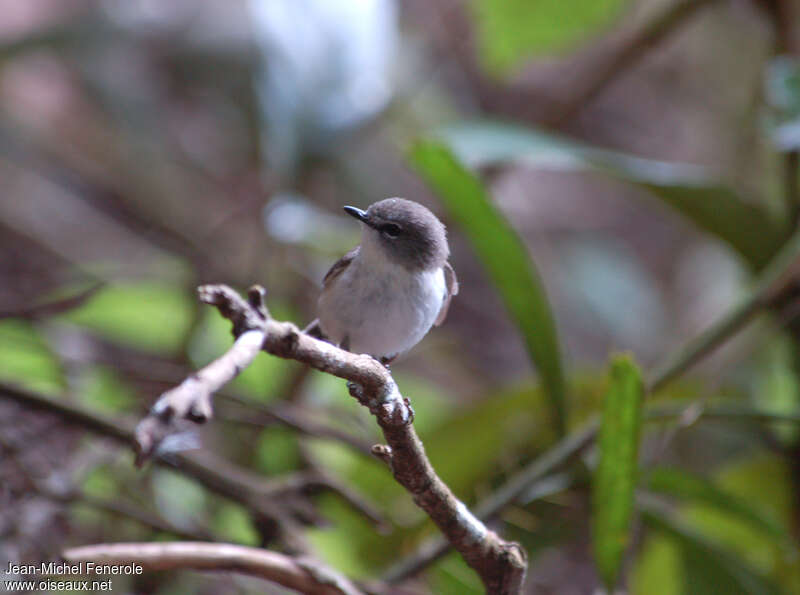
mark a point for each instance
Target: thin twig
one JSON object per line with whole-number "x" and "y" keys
{"x": 302, "y": 575}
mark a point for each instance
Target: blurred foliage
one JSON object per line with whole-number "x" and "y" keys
{"x": 707, "y": 568}
{"x": 147, "y": 316}
{"x": 783, "y": 94}
{"x": 26, "y": 358}
{"x": 132, "y": 149}
{"x": 454, "y": 576}
{"x": 234, "y": 523}
{"x": 764, "y": 482}
{"x": 102, "y": 389}
{"x": 277, "y": 451}
{"x": 737, "y": 536}
{"x": 676, "y": 483}
{"x": 777, "y": 387}
{"x": 512, "y": 31}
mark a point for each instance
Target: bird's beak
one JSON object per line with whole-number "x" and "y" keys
{"x": 357, "y": 213}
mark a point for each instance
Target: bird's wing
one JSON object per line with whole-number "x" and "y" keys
{"x": 338, "y": 267}
{"x": 451, "y": 283}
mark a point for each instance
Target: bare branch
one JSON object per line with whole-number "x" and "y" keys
{"x": 306, "y": 576}
{"x": 283, "y": 339}
{"x": 501, "y": 565}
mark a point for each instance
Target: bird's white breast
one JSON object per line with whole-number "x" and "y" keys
{"x": 383, "y": 312}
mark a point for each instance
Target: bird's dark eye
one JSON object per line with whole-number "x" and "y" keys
{"x": 391, "y": 230}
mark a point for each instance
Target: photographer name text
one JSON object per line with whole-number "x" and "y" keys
{"x": 78, "y": 569}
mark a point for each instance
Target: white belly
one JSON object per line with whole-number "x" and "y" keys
{"x": 382, "y": 315}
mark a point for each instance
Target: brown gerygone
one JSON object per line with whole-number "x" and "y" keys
{"x": 384, "y": 295}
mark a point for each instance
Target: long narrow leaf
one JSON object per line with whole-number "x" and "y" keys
{"x": 505, "y": 258}
{"x": 615, "y": 477}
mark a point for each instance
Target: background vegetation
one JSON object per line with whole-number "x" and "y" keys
{"x": 615, "y": 176}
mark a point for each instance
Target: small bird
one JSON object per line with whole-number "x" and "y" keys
{"x": 383, "y": 296}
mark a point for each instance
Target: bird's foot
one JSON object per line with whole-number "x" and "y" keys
{"x": 387, "y": 360}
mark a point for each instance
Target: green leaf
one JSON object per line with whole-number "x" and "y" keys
{"x": 351, "y": 544}
{"x": 277, "y": 451}
{"x": 681, "y": 484}
{"x": 782, "y": 84}
{"x": 708, "y": 568}
{"x": 500, "y": 425}
{"x": 505, "y": 258}
{"x": 452, "y": 575}
{"x": 102, "y": 389}
{"x": 177, "y": 498}
{"x": 100, "y": 482}
{"x": 615, "y": 476}
{"x": 766, "y": 482}
{"x": 25, "y": 358}
{"x": 509, "y": 31}
{"x": 777, "y": 388}
{"x": 783, "y": 96}
{"x": 748, "y": 228}
{"x": 657, "y": 568}
{"x": 147, "y": 316}
{"x": 234, "y": 523}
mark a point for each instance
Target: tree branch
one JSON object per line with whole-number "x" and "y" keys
{"x": 302, "y": 575}
{"x": 501, "y": 565}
